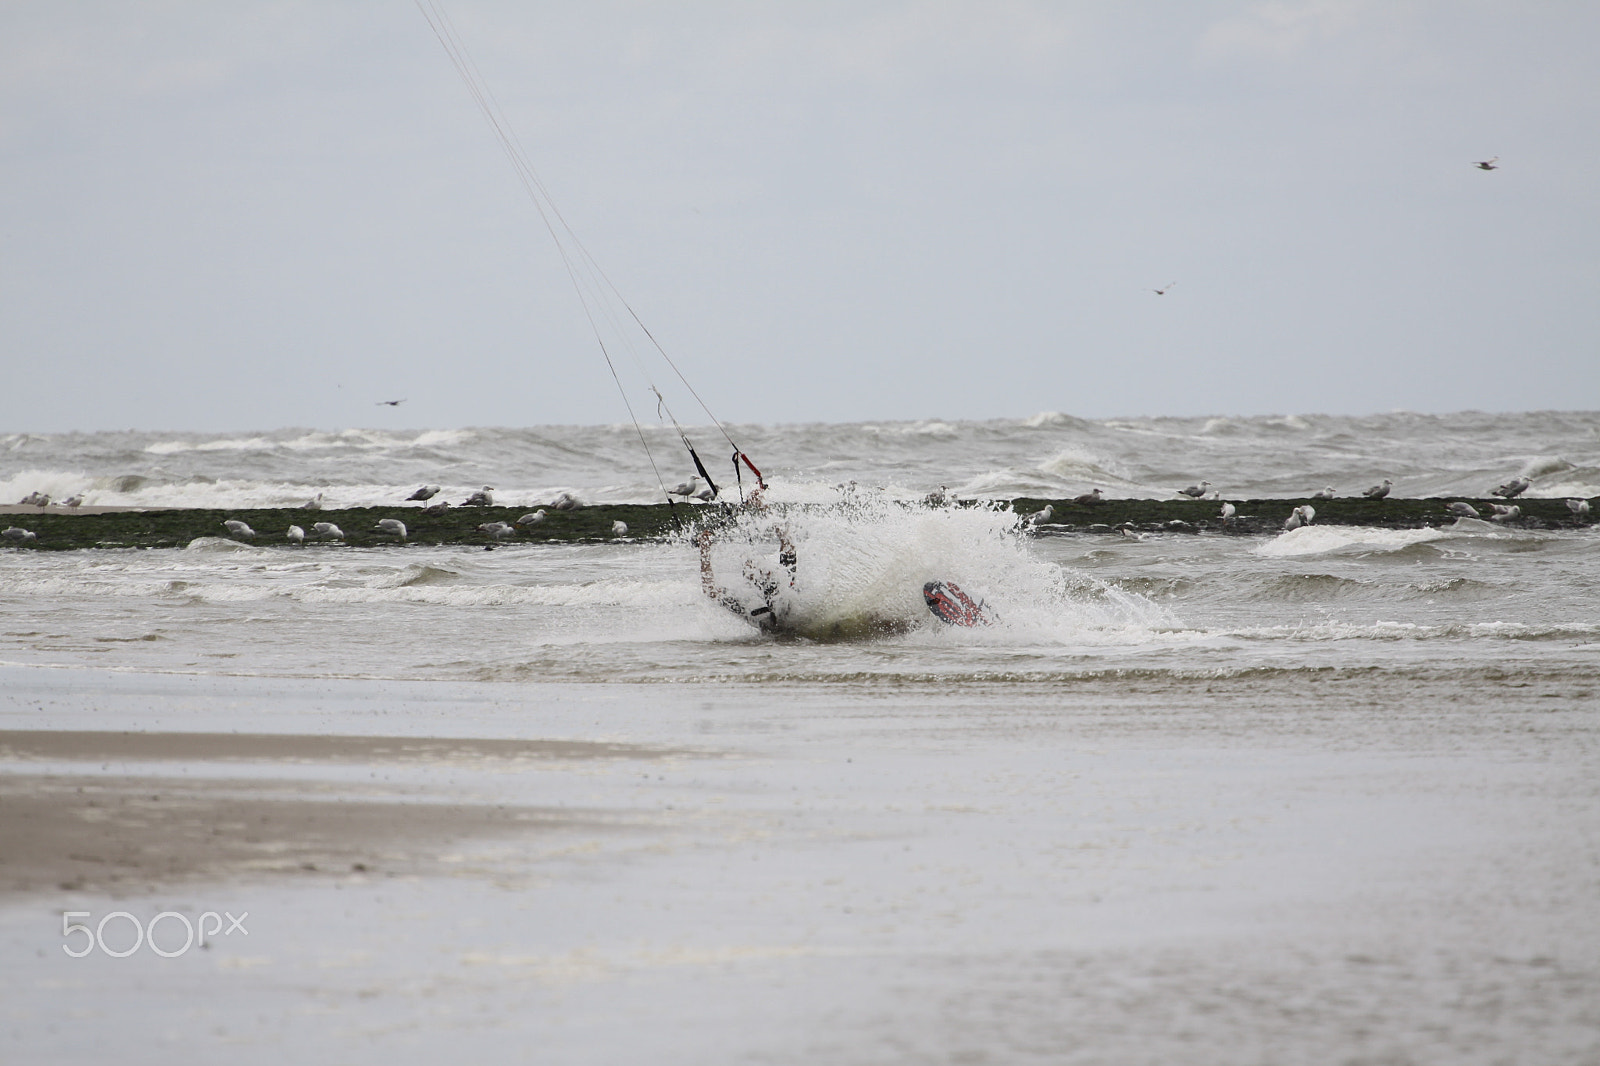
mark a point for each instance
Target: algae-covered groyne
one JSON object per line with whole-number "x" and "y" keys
{"x": 60, "y": 530}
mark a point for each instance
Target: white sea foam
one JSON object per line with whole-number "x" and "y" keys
{"x": 1318, "y": 540}
{"x": 1540, "y": 465}
{"x": 1075, "y": 463}
{"x": 1460, "y": 455}
{"x": 240, "y": 444}
{"x": 57, "y": 484}
{"x": 316, "y": 440}
{"x": 861, "y": 567}
{"x": 1053, "y": 419}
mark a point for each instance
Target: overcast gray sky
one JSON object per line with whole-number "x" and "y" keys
{"x": 253, "y": 215}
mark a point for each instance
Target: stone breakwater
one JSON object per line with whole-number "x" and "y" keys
{"x": 64, "y": 531}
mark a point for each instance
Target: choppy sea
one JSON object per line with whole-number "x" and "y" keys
{"x": 1046, "y": 455}
{"x": 1472, "y": 603}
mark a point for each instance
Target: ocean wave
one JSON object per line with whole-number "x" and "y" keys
{"x": 1389, "y": 631}
{"x": 1460, "y": 456}
{"x": 243, "y": 444}
{"x": 930, "y": 428}
{"x": 1056, "y": 420}
{"x": 1320, "y": 540}
{"x": 1540, "y": 465}
{"x": 57, "y": 484}
{"x": 311, "y": 441}
{"x": 889, "y": 677}
{"x": 422, "y": 574}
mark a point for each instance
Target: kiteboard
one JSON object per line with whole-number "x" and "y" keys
{"x": 954, "y": 607}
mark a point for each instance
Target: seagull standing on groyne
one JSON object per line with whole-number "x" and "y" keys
{"x": 392, "y": 526}
{"x": 1512, "y": 489}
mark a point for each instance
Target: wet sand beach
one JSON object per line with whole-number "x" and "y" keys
{"x": 1157, "y": 870}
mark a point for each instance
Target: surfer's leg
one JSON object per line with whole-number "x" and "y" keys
{"x": 708, "y": 582}
{"x": 786, "y": 555}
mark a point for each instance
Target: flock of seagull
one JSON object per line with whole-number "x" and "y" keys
{"x": 1305, "y": 514}
{"x": 1302, "y": 515}
{"x": 394, "y": 527}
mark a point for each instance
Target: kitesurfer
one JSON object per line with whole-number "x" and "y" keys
{"x": 771, "y": 613}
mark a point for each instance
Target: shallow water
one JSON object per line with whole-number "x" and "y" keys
{"x": 1465, "y": 599}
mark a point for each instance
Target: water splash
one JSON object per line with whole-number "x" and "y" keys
{"x": 860, "y": 566}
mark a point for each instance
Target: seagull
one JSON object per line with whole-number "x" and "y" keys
{"x": 296, "y": 535}
{"x": 1325, "y": 494}
{"x": 1505, "y": 512}
{"x": 1512, "y": 489}
{"x": 392, "y": 526}
{"x": 1194, "y": 492}
{"x": 566, "y": 502}
{"x": 388, "y": 403}
{"x": 706, "y": 495}
{"x": 426, "y": 492}
{"x": 328, "y": 531}
{"x": 619, "y": 529}
{"x": 1578, "y": 506}
{"x": 482, "y": 498}
{"x": 1307, "y": 512}
{"x": 1127, "y": 531}
{"x": 1228, "y": 511}
{"x": 18, "y": 535}
{"x": 496, "y": 529}
{"x": 238, "y": 528}
{"x": 1039, "y": 518}
{"x": 1462, "y": 508}
{"x": 437, "y": 508}
{"x": 1487, "y": 164}
{"x": 73, "y": 501}
{"x": 1298, "y": 518}
{"x": 1163, "y": 290}
{"x": 313, "y": 505}
{"x": 1089, "y": 499}
{"x": 685, "y": 489}
{"x": 35, "y": 499}
{"x": 531, "y": 519}
{"x": 1378, "y": 492}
